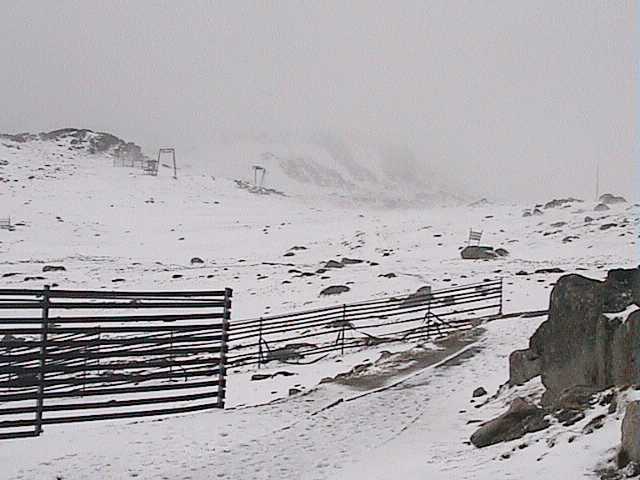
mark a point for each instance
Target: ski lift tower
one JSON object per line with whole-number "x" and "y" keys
{"x": 258, "y": 175}
{"x": 172, "y": 152}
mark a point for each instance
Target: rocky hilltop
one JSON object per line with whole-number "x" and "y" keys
{"x": 78, "y": 139}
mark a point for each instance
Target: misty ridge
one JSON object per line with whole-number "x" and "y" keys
{"x": 505, "y": 101}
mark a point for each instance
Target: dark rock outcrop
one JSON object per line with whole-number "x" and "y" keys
{"x": 523, "y": 366}
{"x": 333, "y": 264}
{"x": 610, "y": 199}
{"x": 583, "y": 342}
{"x": 351, "y": 261}
{"x": 560, "y": 202}
{"x": 335, "y": 290}
{"x": 479, "y": 392}
{"x": 521, "y": 418}
{"x": 473, "y": 252}
{"x": 630, "y": 447}
{"x": 54, "y": 268}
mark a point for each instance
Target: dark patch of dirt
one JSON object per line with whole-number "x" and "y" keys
{"x": 390, "y": 367}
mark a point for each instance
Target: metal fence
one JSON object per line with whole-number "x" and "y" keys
{"x": 73, "y": 356}
{"x": 421, "y": 316}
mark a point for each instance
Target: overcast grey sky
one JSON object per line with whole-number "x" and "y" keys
{"x": 520, "y": 97}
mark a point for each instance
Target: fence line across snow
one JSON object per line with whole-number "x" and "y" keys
{"x": 288, "y": 337}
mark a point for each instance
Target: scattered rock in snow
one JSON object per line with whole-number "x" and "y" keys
{"x": 479, "y": 392}
{"x": 550, "y": 270}
{"x": 521, "y": 418}
{"x": 473, "y": 252}
{"x": 196, "y": 261}
{"x": 388, "y": 275}
{"x": 594, "y": 424}
{"x": 570, "y": 238}
{"x": 560, "y": 202}
{"x": 335, "y": 290}
{"x": 333, "y": 264}
{"x": 54, "y": 268}
{"x": 607, "y": 226}
{"x": 601, "y": 207}
{"x": 351, "y": 261}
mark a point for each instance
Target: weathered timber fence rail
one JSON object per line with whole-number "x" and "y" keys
{"x": 73, "y": 356}
{"x": 293, "y": 337}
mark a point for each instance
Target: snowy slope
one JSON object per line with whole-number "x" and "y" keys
{"x": 348, "y": 170}
{"x": 116, "y": 228}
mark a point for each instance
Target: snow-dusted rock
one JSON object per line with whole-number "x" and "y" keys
{"x": 521, "y": 418}
{"x": 590, "y": 334}
{"x": 473, "y": 252}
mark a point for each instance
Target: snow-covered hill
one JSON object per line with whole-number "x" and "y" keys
{"x": 347, "y": 169}
{"x": 117, "y": 228}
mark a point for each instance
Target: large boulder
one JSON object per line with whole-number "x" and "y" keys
{"x": 335, "y": 290}
{"x": 473, "y": 252}
{"x": 523, "y": 366}
{"x": 521, "y": 418}
{"x": 630, "y": 448}
{"x": 591, "y": 336}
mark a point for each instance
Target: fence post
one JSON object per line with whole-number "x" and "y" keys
{"x": 344, "y": 322}
{"x": 260, "y": 344}
{"x": 42, "y": 360}
{"x": 171, "y": 355}
{"x": 501, "y": 295}
{"x": 223, "y": 347}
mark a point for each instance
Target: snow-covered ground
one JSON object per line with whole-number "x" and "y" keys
{"x": 116, "y": 228}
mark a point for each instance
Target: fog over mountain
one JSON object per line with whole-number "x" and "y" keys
{"x": 504, "y": 99}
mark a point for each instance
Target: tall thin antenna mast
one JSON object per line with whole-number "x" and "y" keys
{"x": 598, "y": 180}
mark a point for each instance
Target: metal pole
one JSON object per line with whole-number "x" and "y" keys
{"x": 260, "y": 344}
{"x": 223, "y": 346}
{"x": 42, "y": 361}
{"x": 501, "y": 294}
{"x": 171, "y": 356}
{"x": 344, "y": 324}
{"x": 175, "y": 168}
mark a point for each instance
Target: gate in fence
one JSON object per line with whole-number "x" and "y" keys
{"x": 73, "y": 356}
{"x": 420, "y": 316}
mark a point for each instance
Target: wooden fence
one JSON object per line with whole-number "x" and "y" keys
{"x": 72, "y": 356}
{"x": 316, "y": 333}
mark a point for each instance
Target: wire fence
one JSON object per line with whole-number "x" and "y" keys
{"x": 420, "y": 316}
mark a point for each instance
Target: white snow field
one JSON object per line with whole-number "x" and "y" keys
{"x": 115, "y": 228}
